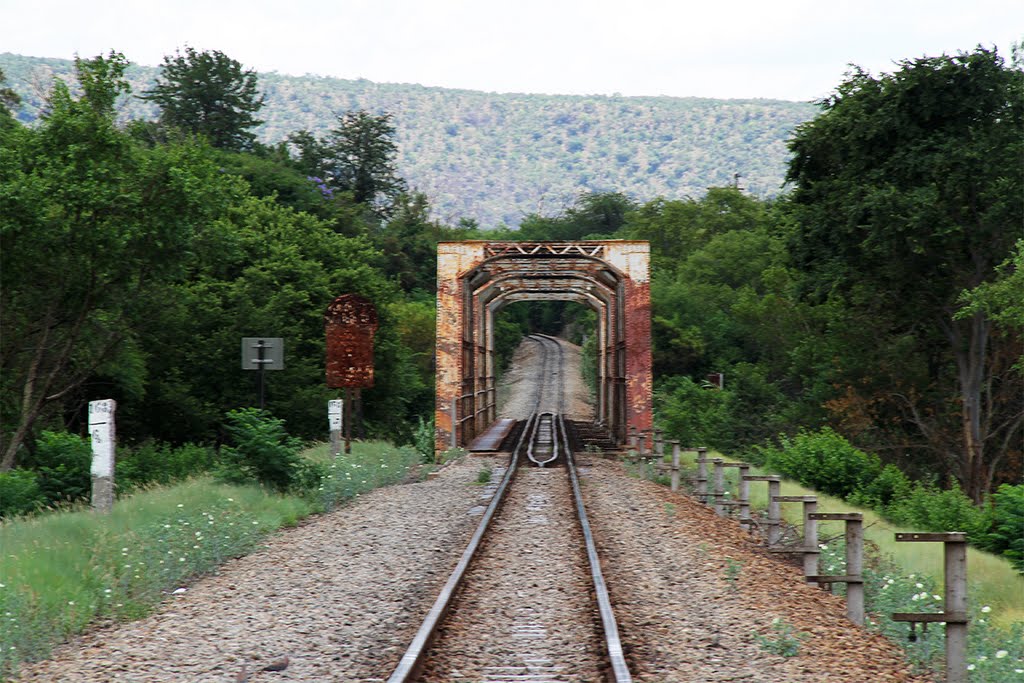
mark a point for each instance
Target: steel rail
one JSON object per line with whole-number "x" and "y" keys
{"x": 613, "y": 643}
{"x": 412, "y": 660}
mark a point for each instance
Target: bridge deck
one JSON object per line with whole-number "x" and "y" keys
{"x": 491, "y": 439}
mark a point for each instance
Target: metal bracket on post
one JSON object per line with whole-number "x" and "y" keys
{"x": 954, "y": 613}
{"x": 854, "y": 562}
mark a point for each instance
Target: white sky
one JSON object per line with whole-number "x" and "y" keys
{"x": 786, "y": 49}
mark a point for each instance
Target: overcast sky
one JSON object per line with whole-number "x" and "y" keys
{"x": 786, "y": 49}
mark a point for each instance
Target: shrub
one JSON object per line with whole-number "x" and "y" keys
{"x": 889, "y": 486}
{"x": 19, "y": 493}
{"x": 263, "y": 451}
{"x": 157, "y": 463}
{"x": 929, "y": 508}
{"x": 695, "y": 415}
{"x": 1005, "y": 533}
{"x": 824, "y": 461}
{"x": 62, "y": 463}
{"x": 423, "y": 439}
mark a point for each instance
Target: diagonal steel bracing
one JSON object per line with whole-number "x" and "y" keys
{"x": 476, "y": 279}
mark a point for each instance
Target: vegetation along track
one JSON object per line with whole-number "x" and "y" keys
{"x": 531, "y": 603}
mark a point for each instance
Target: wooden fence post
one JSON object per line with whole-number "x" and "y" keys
{"x": 954, "y": 612}
{"x": 854, "y": 562}
{"x": 675, "y": 465}
{"x": 774, "y": 484}
{"x": 809, "y": 548}
{"x": 744, "y": 496}
{"x": 702, "y": 474}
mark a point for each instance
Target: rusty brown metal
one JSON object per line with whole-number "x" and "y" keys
{"x": 476, "y": 279}
{"x": 350, "y": 322}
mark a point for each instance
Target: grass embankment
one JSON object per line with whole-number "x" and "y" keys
{"x": 993, "y": 581}
{"x": 908, "y": 578}
{"x": 63, "y": 570}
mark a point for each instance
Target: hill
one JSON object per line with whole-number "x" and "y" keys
{"x": 495, "y": 157}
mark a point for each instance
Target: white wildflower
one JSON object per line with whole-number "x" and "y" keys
{"x": 1001, "y": 653}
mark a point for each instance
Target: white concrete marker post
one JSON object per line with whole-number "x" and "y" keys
{"x": 334, "y": 413}
{"x": 103, "y": 439}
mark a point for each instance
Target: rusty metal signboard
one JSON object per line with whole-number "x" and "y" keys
{"x": 350, "y": 322}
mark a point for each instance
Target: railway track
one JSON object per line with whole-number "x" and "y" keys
{"x": 527, "y": 600}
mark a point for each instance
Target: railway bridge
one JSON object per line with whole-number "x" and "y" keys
{"x": 476, "y": 279}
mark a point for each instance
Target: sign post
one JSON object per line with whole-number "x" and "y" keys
{"x": 103, "y": 439}
{"x": 260, "y": 354}
{"x": 334, "y": 422}
{"x": 350, "y": 323}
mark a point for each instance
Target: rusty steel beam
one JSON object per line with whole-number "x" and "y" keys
{"x": 476, "y": 279}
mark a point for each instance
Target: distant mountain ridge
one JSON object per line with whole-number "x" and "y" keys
{"x": 496, "y": 157}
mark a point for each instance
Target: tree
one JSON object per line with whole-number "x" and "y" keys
{"x": 593, "y": 215}
{"x": 8, "y": 100}
{"x": 208, "y": 93}
{"x": 908, "y": 191}
{"x": 90, "y": 221}
{"x": 356, "y": 157}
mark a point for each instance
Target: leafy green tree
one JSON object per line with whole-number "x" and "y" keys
{"x": 676, "y": 228}
{"x": 90, "y": 223}
{"x": 358, "y": 156}
{"x": 594, "y": 215}
{"x": 908, "y": 191}
{"x": 209, "y": 94}
{"x": 8, "y": 101}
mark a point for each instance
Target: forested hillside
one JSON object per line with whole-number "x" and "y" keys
{"x": 493, "y": 158}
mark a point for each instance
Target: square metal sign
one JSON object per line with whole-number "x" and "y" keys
{"x": 262, "y": 352}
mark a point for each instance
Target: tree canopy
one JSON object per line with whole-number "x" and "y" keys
{"x": 208, "y": 93}
{"x": 908, "y": 191}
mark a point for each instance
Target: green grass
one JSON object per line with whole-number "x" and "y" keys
{"x": 993, "y": 581}
{"x": 61, "y": 571}
{"x": 909, "y": 578}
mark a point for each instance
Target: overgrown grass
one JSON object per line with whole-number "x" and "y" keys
{"x": 61, "y": 571}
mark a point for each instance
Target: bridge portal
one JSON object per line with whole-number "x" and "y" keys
{"x": 477, "y": 279}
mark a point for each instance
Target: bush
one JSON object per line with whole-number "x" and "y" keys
{"x": 929, "y": 508}
{"x": 889, "y": 486}
{"x": 157, "y": 463}
{"x": 19, "y": 493}
{"x": 824, "y": 461}
{"x": 1005, "y": 533}
{"x": 695, "y": 415}
{"x": 263, "y": 451}
{"x": 62, "y": 463}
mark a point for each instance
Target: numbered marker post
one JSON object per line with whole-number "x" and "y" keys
{"x": 334, "y": 421}
{"x": 102, "y": 436}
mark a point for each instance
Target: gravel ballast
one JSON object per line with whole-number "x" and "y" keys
{"x": 340, "y": 596}
{"x": 692, "y": 593}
